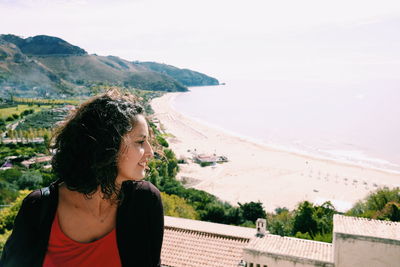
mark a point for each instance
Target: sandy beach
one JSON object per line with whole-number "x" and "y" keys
{"x": 256, "y": 172}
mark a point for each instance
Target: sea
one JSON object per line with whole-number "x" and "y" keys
{"x": 356, "y": 123}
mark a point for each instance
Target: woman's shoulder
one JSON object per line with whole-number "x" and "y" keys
{"x": 143, "y": 188}
{"x": 40, "y": 198}
{"x": 33, "y": 197}
{"x": 33, "y": 203}
{"x": 147, "y": 186}
{"x": 40, "y": 194}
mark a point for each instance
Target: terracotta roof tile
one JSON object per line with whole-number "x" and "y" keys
{"x": 366, "y": 227}
{"x": 209, "y": 227}
{"x": 193, "y": 243}
{"x": 292, "y": 247}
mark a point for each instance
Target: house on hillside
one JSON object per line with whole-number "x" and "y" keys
{"x": 43, "y": 159}
{"x": 204, "y": 158}
{"x": 9, "y": 162}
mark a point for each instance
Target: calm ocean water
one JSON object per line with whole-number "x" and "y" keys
{"x": 356, "y": 123}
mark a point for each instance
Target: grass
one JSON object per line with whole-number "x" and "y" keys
{"x": 47, "y": 101}
{"x": 6, "y": 112}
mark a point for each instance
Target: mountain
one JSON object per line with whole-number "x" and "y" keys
{"x": 46, "y": 66}
{"x": 43, "y": 45}
{"x": 184, "y": 76}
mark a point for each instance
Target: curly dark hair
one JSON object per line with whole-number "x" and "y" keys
{"x": 87, "y": 144}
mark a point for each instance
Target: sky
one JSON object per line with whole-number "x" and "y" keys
{"x": 313, "y": 40}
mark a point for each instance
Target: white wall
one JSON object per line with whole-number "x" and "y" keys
{"x": 278, "y": 261}
{"x": 368, "y": 252}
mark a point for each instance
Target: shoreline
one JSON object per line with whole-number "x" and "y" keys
{"x": 258, "y": 172}
{"x": 302, "y": 153}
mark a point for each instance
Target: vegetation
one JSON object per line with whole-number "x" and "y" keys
{"x": 307, "y": 220}
{"x": 177, "y": 207}
{"x": 46, "y": 102}
{"x": 163, "y": 170}
{"x": 21, "y": 150}
{"x": 27, "y": 135}
{"x": 20, "y": 110}
{"x": 316, "y": 222}
{"x": 184, "y": 76}
{"x": 384, "y": 204}
{"x": 44, "y": 119}
{"x": 8, "y": 214}
{"x": 7, "y": 217}
{"x": 15, "y": 179}
{"x": 49, "y": 67}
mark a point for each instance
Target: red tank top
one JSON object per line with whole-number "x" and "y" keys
{"x": 63, "y": 251}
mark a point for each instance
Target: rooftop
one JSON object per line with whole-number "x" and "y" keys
{"x": 194, "y": 243}
{"x": 210, "y": 227}
{"x": 292, "y": 247}
{"x": 366, "y": 227}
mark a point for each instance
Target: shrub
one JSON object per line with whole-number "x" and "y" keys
{"x": 8, "y": 214}
{"x": 162, "y": 141}
{"x": 178, "y": 207}
{"x": 252, "y": 211}
{"x": 8, "y": 192}
{"x": 205, "y": 164}
{"x": 30, "y": 180}
{"x": 301, "y": 235}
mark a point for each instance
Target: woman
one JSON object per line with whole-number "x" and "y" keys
{"x": 99, "y": 212}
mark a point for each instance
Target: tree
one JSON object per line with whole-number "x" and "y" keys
{"x": 304, "y": 220}
{"x": 46, "y": 138}
{"x": 375, "y": 204}
{"x": 30, "y": 180}
{"x": 323, "y": 215}
{"x": 178, "y": 207}
{"x": 391, "y": 212}
{"x": 11, "y": 175}
{"x": 378, "y": 200}
{"x": 8, "y": 192}
{"x": 47, "y": 177}
{"x": 154, "y": 176}
{"x": 280, "y": 223}
{"x": 252, "y": 211}
{"x": 234, "y": 216}
{"x": 214, "y": 213}
{"x": 162, "y": 141}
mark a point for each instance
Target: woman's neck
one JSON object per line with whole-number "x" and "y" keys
{"x": 95, "y": 204}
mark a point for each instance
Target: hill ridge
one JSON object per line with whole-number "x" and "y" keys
{"x": 47, "y": 66}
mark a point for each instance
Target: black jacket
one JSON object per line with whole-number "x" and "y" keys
{"x": 139, "y": 227}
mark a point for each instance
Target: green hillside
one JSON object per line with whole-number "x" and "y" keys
{"x": 185, "y": 76}
{"x": 49, "y": 67}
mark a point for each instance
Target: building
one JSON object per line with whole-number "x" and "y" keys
{"x": 364, "y": 242}
{"x": 43, "y": 159}
{"x": 204, "y": 158}
{"x": 275, "y": 250}
{"x": 356, "y": 242}
{"x": 9, "y": 162}
{"x": 197, "y": 243}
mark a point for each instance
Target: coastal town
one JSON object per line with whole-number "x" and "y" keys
{"x": 284, "y": 154}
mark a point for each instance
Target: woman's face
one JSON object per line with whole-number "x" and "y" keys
{"x": 134, "y": 152}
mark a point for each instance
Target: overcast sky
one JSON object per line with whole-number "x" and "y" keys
{"x": 318, "y": 40}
